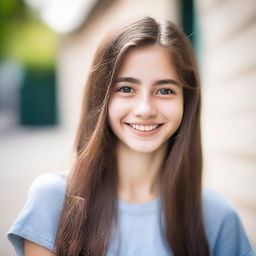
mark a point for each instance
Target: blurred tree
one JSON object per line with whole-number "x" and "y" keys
{"x": 25, "y": 39}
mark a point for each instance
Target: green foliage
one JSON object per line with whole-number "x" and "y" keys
{"x": 11, "y": 8}
{"x": 24, "y": 37}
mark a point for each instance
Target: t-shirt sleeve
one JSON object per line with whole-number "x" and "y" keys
{"x": 232, "y": 238}
{"x": 38, "y": 220}
{"x": 225, "y": 231}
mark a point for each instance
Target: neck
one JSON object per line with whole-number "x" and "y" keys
{"x": 138, "y": 174}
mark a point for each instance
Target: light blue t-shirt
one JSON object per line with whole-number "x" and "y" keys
{"x": 139, "y": 224}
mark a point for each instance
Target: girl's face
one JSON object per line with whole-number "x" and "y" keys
{"x": 146, "y": 106}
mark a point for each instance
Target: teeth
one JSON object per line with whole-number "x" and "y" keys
{"x": 144, "y": 127}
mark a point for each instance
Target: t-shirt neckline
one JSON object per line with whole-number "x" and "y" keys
{"x": 139, "y": 208}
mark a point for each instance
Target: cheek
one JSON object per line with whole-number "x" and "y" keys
{"x": 116, "y": 110}
{"x": 173, "y": 110}
{"x": 111, "y": 112}
{"x": 178, "y": 109}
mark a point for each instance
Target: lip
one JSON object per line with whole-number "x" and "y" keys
{"x": 145, "y": 133}
{"x": 145, "y": 123}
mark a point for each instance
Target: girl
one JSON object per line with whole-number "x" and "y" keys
{"x": 135, "y": 186}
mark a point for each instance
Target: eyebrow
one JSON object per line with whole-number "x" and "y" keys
{"x": 137, "y": 81}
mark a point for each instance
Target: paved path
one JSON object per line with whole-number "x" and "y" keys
{"x": 24, "y": 154}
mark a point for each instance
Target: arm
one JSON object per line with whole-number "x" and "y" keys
{"x": 31, "y": 249}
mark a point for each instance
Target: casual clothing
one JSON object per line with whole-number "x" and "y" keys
{"x": 140, "y": 225}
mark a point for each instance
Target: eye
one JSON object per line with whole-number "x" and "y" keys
{"x": 126, "y": 89}
{"x": 165, "y": 91}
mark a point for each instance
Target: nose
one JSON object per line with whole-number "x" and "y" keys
{"x": 145, "y": 108}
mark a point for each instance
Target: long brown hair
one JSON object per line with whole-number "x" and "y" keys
{"x": 90, "y": 206}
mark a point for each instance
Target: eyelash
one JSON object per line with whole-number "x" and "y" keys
{"x": 124, "y": 87}
{"x": 128, "y": 87}
{"x": 169, "y": 90}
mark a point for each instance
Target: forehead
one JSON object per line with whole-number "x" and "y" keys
{"x": 150, "y": 61}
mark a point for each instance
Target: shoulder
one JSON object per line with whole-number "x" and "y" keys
{"x": 39, "y": 218}
{"x": 223, "y": 226}
{"x": 46, "y": 196}
{"x": 217, "y": 210}
{"x": 216, "y": 205}
{"x": 49, "y": 184}
{"x": 47, "y": 192}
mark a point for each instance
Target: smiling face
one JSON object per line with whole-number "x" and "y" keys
{"x": 146, "y": 106}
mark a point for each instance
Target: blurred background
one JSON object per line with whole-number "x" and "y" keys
{"x": 46, "y": 48}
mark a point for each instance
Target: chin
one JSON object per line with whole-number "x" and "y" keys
{"x": 144, "y": 148}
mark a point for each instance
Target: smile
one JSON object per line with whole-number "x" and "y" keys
{"x": 143, "y": 128}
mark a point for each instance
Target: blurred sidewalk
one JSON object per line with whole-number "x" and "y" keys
{"x": 25, "y": 153}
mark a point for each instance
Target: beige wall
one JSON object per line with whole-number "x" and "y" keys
{"x": 228, "y": 69}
